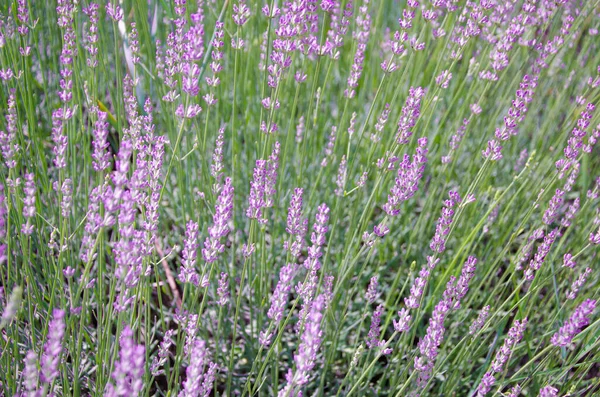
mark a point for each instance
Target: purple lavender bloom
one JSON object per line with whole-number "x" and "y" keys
{"x": 578, "y": 283}
{"x": 219, "y": 228}
{"x": 363, "y": 23}
{"x": 371, "y": 294}
{"x": 100, "y": 156}
{"x": 297, "y": 225}
{"x": 306, "y": 355}
{"x": 570, "y": 213}
{"x": 373, "y": 341}
{"x": 280, "y": 295}
{"x": 515, "y": 334}
{"x": 223, "y": 290}
{"x": 271, "y": 176}
{"x": 575, "y": 142}
{"x": 28, "y": 204}
{"x": 403, "y": 322}
{"x": 548, "y": 391}
{"x": 317, "y": 238}
{"x": 575, "y": 324}
{"x": 256, "y": 200}
{"x": 514, "y": 391}
{"x": 160, "y": 359}
{"x": 31, "y": 374}
{"x": 187, "y": 271}
{"x": 217, "y": 166}
{"x": 410, "y": 114}
{"x": 8, "y": 139}
{"x": 429, "y": 344}
{"x": 407, "y": 181}
{"x": 198, "y": 382}
{"x": 341, "y": 177}
{"x": 438, "y": 243}
{"x": 555, "y": 203}
{"x": 92, "y": 36}
{"x": 540, "y": 255}
{"x": 129, "y": 370}
{"x": 480, "y": 320}
{"x": 53, "y": 347}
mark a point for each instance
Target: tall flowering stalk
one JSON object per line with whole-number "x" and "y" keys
{"x": 219, "y": 229}
{"x": 515, "y": 334}
{"x": 306, "y": 355}
{"x": 129, "y": 370}
{"x": 573, "y": 326}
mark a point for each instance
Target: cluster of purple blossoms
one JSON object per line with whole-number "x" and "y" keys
{"x": 8, "y": 139}
{"x": 329, "y": 146}
{"x": 381, "y": 122}
{"x": 241, "y": 13}
{"x": 129, "y": 370}
{"x": 187, "y": 271}
{"x": 455, "y": 140}
{"x": 281, "y": 292}
{"x": 407, "y": 180}
{"x": 553, "y": 207}
{"x": 3, "y": 231}
{"x": 160, "y": 359}
{"x": 53, "y": 347}
{"x": 262, "y": 187}
{"x": 569, "y": 215}
{"x": 341, "y": 177}
{"x": 340, "y": 20}
{"x": 219, "y": 228}
{"x": 540, "y": 255}
{"x": 527, "y": 250}
{"x": 480, "y": 320}
{"x": 515, "y": 334}
{"x": 437, "y": 245}
{"x": 307, "y": 289}
{"x": 373, "y": 341}
{"x": 297, "y": 224}
{"x": 216, "y": 167}
{"x": 410, "y": 113}
{"x": 223, "y": 290}
{"x": 575, "y": 324}
{"x": 578, "y": 283}
{"x": 516, "y": 114}
{"x": 200, "y": 373}
{"x": 215, "y": 65}
{"x": 28, "y": 204}
{"x": 430, "y": 343}
{"x": 100, "y": 156}
{"x": 400, "y": 37}
{"x": 363, "y": 22}
{"x": 371, "y": 294}
{"x": 548, "y": 391}
{"x": 306, "y": 355}
{"x": 92, "y": 37}
{"x": 469, "y": 25}
{"x": 575, "y": 143}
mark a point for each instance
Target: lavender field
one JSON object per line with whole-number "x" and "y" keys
{"x": 299, "y": 198}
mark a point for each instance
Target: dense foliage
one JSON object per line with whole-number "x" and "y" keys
{"x": 307, "y": 197}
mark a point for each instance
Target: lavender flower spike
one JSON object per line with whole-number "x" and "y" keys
{"x": 306, "y": 355}
{"x": 219, "y": 228}
{"x": 129, "y": 370}
{"x": 548, "y": 391}
{"x": 575, "y": 324}
{"x": 187, "y": 272}
{"x": 53, "y": 347}
{"x": 515, "y": 334}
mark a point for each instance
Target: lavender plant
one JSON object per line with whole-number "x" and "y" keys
{"x": 162, "y": 161}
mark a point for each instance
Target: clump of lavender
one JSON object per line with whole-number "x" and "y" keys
{"x": 28, "y": 204}
{"x": 578, "y": 283}
{"x": 575, "y": 324}
{"x": 306, "y": 355}
{"x": 480, "y": 320}
{"x": 540, "y": 255}
{"x": 407, "y": 180}
{"x": 8, "y": 138}
{"x": 219, "y": 229}
{"x": 187, "y": 272}
{"x": 129, "y": 370}
{"x": 515, "y": 334}
{"x": 53, "y": 347}
{"x": 200, "y": 372}
{"x": 410, "y": 114}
